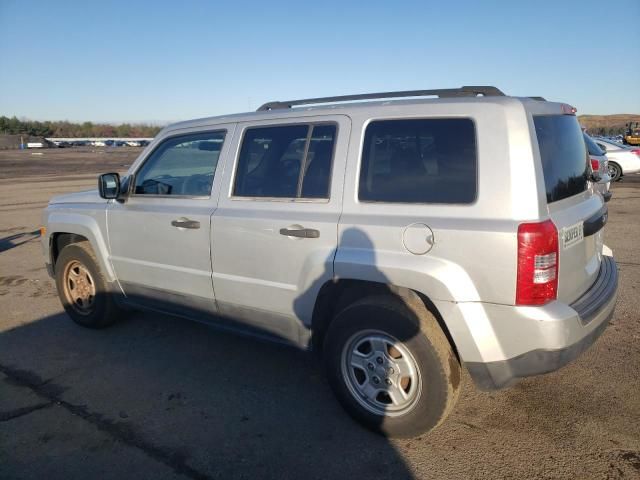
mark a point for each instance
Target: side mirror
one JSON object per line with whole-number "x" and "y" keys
{"x": 109, "y": 185}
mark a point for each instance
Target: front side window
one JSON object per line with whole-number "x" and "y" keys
{"x": 292, "y": 161}
{"x": 183, "y": 165}
{"x": 419, "y": 161}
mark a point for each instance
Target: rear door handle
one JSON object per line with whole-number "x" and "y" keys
{"x": 185, "y": 223}
{"x": 300, "y": 232}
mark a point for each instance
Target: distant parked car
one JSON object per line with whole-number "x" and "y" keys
{"x": 599, "y": 165}
{"x": 133, "y": 143}
{"x": 623, "y": 160}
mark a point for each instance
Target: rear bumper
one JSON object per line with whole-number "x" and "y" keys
{"x": 559, "y": 332}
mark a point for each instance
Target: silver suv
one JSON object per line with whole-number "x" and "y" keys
{"x": 404, "y": 239}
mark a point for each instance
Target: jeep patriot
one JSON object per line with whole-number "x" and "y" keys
{"x": 404, "y": 235}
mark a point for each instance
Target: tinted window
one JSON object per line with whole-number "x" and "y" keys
{"x": 183, "y": 165}
{"x": 317, "y": 176}
{"x": 419, "y": 161}
{"x": 563, "y": 154}
{"x": 592, "y": 146}
{"x": 291, "y": 161}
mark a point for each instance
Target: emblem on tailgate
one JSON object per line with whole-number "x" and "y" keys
{"x": 572, "y": 235}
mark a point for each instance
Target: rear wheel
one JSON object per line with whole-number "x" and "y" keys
{"x": 82, "y": 287}
{"x": 391, "y": 366}
{"x": 615, "y": 172}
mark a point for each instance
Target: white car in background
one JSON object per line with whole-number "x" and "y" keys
{"x": 623, "y": 160}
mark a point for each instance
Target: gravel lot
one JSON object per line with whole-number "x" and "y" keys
{"x": 160, "y": 397}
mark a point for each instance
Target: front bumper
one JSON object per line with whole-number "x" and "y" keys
{"x": 560, "y": 332}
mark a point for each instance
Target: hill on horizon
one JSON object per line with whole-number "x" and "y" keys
{"x": 607, "y": 124}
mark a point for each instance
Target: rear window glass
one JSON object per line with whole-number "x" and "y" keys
{"x": 592, "y": 147}
{"x": 563, "y": 154}
{"x": 419, "y": 161}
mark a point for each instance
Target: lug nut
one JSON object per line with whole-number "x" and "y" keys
{"x": 387, "y": 381}
{"x": 391, "y": 371}
{"x": 370, "y": 366}
{"x": 376, "y": 380}
{"x": 379, "y": 360}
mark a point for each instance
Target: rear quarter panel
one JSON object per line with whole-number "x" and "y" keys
{"x": 475, "y": 250}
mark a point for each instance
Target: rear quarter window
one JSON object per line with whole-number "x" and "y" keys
{"x": 419, "y": 161}
{"x": 563, "y": 154}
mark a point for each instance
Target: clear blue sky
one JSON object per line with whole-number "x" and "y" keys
{"x": 172, "y": 60}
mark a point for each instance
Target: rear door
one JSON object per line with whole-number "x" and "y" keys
{"x": 274, "y": 233}
{"x": 576, "y": 210}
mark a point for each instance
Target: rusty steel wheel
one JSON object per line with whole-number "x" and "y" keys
{"x": 79, "y": 288}
{"x": 83, "y": 289}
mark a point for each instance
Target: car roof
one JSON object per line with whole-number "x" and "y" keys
{"x": 375, "y": 107}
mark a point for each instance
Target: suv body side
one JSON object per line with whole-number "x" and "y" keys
{"x": 469, "y": 274}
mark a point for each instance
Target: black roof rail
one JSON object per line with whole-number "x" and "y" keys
{"x": 467, "y": 91}
{"x": 540, "y": 99}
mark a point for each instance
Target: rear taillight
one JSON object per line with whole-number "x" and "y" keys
{"x": 595, "y": 165}
{"x": 636, "y": 151}
{"x": 537, "y": 281}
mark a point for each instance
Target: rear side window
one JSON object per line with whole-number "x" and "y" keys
{"x": 592, "y": 147}
{"x": 563, "y": 154}
{"x": 419, "y": 161}
{"x": 292, "y": 161}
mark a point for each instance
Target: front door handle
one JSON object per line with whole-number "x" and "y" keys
{"x": 300, "y": 232}
{"x": 185, "y": 223}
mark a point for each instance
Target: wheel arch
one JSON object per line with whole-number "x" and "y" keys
{"x": 334, "y": 295}
{"x": 617, "y": 164}
{"x": 65, "y": 229}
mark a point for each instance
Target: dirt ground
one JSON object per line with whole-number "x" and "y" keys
{"x": 160, "y": 397}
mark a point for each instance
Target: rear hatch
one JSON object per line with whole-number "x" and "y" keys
{"x": 576, "y": 211}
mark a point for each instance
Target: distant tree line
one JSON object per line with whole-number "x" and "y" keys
{"x": 68, "y": 129}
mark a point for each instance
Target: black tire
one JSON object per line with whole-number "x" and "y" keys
{"x": 407, "y": 320}
{"x": 615, "y": 172}
{"x": 102, "y": 311}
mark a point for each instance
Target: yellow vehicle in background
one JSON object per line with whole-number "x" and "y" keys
{"x": 632, "y": 135}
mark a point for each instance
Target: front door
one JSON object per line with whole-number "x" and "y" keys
{"x": 274, "y": 233}
{"x": 160, "y": 237}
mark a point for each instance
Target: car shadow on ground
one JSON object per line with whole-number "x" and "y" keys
{"x": 204, "y": 403}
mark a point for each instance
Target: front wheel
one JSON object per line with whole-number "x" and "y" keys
{"x": 391, "y": 366}
{"x": 615, "y": 172}
{"x": 82, "y": 287}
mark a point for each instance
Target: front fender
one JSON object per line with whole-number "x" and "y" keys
{"x": 90, "y": 223}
